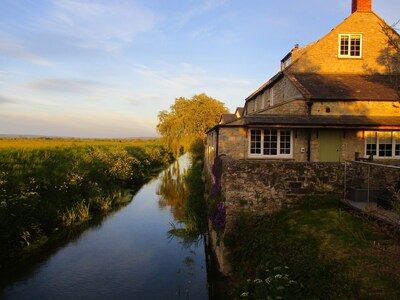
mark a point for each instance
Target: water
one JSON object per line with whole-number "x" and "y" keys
{"x": 130, "y": 255}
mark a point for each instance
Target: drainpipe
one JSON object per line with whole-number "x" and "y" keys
{"x": 217, "y": 146}
{"x": 309, "y": 145}
{"x": 309, "y": 108}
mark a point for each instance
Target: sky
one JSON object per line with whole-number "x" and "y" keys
{"x": 106, "y": 68}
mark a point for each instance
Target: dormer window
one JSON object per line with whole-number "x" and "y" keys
{"x": 350, "y": 45}
{"x": 286, "y": 62}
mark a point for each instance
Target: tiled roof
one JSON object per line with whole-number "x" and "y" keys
{"x": 226, "y": 118}
{"x": 302, "y": 121}
{"x": 348, "y": 87}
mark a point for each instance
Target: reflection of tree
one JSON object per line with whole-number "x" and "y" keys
{"x": 172, "y": 192}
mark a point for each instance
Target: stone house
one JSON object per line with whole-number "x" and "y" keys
{"x": 333, "y": 100}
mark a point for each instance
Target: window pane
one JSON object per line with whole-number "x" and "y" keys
{"x": 396, "y": 138}
{"x": 255, "y": 141}
{"x": 284, "y": 142}
{"x": 355, "y": 45}
{"x": 270, "y": 142}
{"x": 370, "y": 141}
{"x": 344, "y": 45}
{"x": 385, "y": 144}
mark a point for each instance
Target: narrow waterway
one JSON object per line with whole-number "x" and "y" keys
{"x": 129, "y": 255}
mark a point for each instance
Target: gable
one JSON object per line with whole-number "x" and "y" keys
{"x": 323, "y": 55}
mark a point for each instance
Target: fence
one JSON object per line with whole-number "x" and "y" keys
{"x": 373, "y": 187}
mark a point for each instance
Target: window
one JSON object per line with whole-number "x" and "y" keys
{"x": 271, "y": 96}
{"x": 286, "y": 62}
{"x": 350, "y": 45}
{"x": 262, "y": 100}
{"x": 255, "y": 143}
{"x": 382, "y": 143}
{"x": 271, "y": 143}
{"x": 255, "y": 105}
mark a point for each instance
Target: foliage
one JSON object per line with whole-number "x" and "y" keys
{"x": 217, "y": 211}
{"x": 196, "y": 207}
{"x": 188, "y": 120}
{"x": 391, "y": 55}
{"x": 393, "y": 48}
{"x": 330, "y": 253}
{"x": 42, "y": 189}
{"x": 272, "y": 283}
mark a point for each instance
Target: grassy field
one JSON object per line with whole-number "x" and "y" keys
{"x": 41, "y": 143}
{"x": 48, "y": 184}
{"x": 316, "y": 251}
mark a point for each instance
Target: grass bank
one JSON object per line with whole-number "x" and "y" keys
{"x": 47, "y": 185}
{"x": 316, "y": 251}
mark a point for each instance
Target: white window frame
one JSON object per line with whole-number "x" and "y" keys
{"x": 348, "y": 55}
{"x": 278, "y": 155}
{"x": 377, "y": 143}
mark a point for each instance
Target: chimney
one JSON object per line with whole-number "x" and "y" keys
{"x": 361, "y": 5}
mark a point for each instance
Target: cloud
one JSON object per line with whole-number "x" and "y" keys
{"x": 185, "y": 76}
{"x": 6, "y": 99}
{"x": 66, "y": 85}
{"x": 185, "y": 80}
{"x": 200, "y": 9}
{"x": 99, "y": 25}
{"x": 5, "y": 75}
{"x": 19, "y": 51}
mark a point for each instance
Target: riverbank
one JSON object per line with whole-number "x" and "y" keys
{"x": 125, "y": 254}
{"x": 316, "y": 250}
{"x": 48, "y": 185}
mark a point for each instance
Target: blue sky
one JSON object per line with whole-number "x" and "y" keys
{"x": 104, "y": 68}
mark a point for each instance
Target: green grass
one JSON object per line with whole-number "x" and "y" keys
{"x": 329, "y": 252}
{"x": 46, "y": 184}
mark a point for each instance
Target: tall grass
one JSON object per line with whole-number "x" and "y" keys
{"x": 42, "y": 189}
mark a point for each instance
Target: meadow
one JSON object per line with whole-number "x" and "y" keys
{"x": 47, "y": 185}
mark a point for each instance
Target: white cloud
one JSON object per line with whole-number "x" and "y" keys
{"x": 101, "y": 24}
{"x": 65, "y": 85}
{"x": 19, "y": 51}
{"x": 7, "y": 99}
{"x": 200, "y": 9}
{"x": 185, "y": 80}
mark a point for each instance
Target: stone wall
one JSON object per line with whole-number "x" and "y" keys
{"x": 322, "y": 56}
{"x": 263, "y": 187}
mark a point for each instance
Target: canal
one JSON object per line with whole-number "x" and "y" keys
{"x": 130, "y": 254}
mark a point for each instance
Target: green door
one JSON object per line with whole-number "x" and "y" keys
{"x": 330, "y": 145}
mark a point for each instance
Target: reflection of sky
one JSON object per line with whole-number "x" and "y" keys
{"x": 129, "y": 257}
{"x": 106, "y": 68}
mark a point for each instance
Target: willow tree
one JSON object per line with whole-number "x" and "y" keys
{"x": 189, "y": 120}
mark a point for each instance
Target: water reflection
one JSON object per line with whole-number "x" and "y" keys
{"x": 128, "y": 255}
{"x": 172, "y": 191}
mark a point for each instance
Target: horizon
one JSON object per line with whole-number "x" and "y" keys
{"x": 92, "y": 69}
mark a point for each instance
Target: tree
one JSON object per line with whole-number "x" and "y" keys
{"x": 392, "y": 48}
{"x": 391, "y": 56}
{"x": 188, "y": 120}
